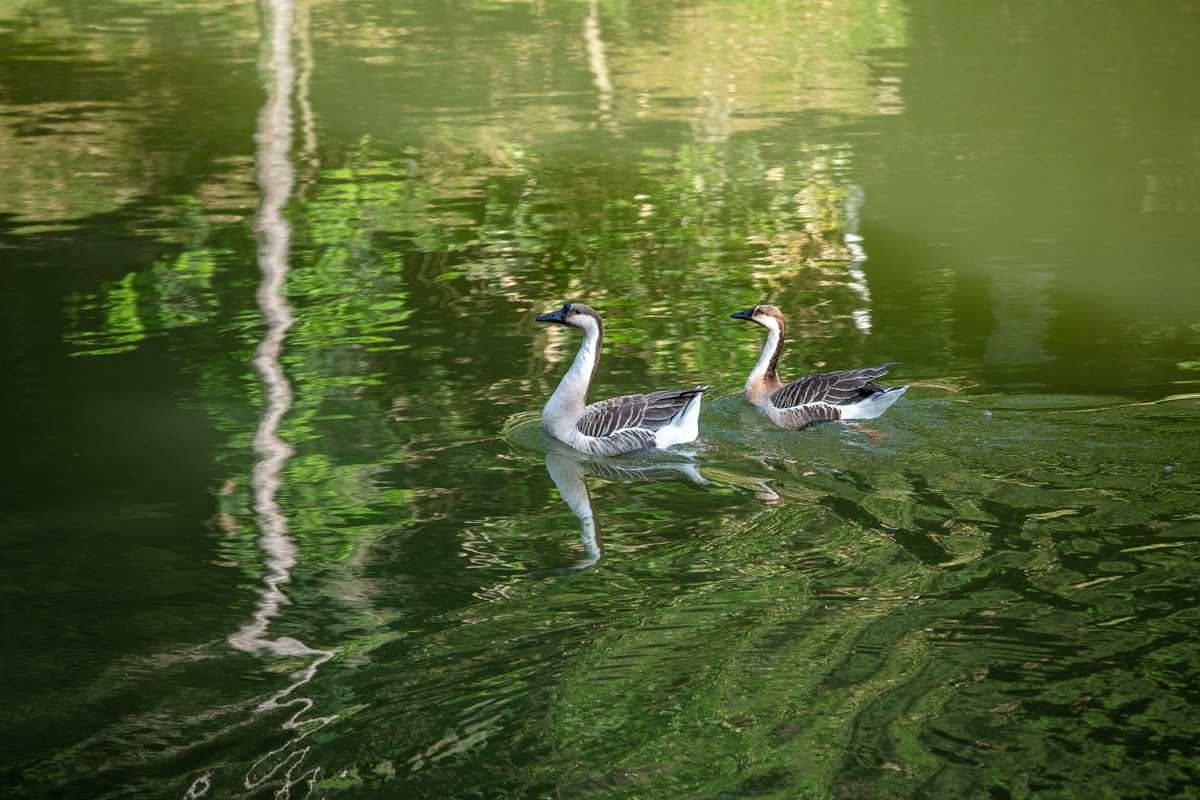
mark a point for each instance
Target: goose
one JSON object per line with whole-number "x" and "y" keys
{"x": 621, "y": 424}
{"x": 852, "y": 394}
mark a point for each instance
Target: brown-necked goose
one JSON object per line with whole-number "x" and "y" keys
{"x": 852, "y": 394}
{"x": 612, "y": 427}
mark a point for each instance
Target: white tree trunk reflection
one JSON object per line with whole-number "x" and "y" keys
{"x": 276, "y": 177}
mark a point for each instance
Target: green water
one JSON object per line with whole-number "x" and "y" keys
{"x": 278, "y": 518}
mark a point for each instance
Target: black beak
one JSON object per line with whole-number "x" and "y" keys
{"x": 747, "y": 314}
{"x": 556, "y": 316}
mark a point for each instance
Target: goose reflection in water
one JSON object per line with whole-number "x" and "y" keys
{"x": 569, "y": 473}
{"x": 570, "y": 478}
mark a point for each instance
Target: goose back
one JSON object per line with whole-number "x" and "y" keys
{"x": 824, "y": 397}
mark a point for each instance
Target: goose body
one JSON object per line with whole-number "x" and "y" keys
{"x": 852, "y": 394}
{"x": 621, "y": 424}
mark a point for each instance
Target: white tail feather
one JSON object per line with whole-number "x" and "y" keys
{"x": 685, "y": 427}
{"x": 874, "y": 406}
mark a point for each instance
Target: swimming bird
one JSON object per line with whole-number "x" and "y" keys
{"x": 852, "y": 394}
{"x": 612, "y": 427}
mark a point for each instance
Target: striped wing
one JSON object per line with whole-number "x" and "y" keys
{"x": 629, "y": 422}
{"x": 818, "y": 397}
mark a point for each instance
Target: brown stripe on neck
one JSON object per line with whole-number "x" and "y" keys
{"x": 596, "y": 359}
{"x": 771, "y": 377}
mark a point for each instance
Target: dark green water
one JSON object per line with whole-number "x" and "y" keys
{"x": 278, "y": 519}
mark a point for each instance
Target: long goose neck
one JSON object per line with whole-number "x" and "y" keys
{"x": 763, "y": 378}
{"x": 570, "y": 398}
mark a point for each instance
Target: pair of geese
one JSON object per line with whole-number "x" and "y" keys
{"x": 661, "y": 419}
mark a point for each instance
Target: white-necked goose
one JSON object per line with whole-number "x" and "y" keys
{"x": 612, "y": 427}
{"x": 852, "y": 394}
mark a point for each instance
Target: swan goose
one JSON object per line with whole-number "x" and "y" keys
{"x": 615, "y": 426}
{"x": 852, "y": 394}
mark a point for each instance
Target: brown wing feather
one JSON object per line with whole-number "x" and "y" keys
{"x": 799, "y": 416}
{"x": 623, "y": 441}
{"x": 827, "y": 391}
{"x": 605, "y": 417}
{"x": 648, "y": 412}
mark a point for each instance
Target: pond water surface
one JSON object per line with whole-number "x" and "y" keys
{"x": 279, "y": 519}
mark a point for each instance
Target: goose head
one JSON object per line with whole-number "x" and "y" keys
{"x": 769, "y": 317}
{"x": 575, "y": 315}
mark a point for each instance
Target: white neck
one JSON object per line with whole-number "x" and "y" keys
{"x": 758, "y": 383}
{"x": 566, "y": 405}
